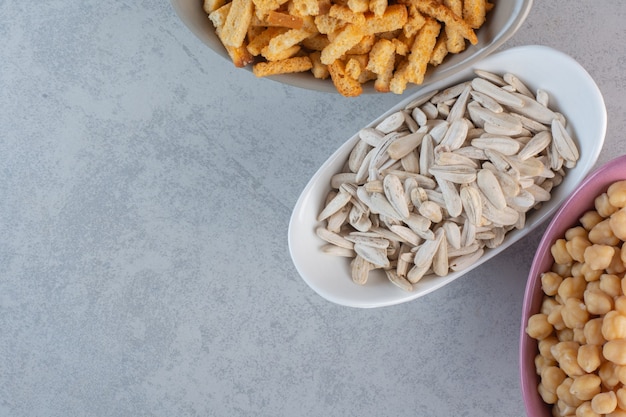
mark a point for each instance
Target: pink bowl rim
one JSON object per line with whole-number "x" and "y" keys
{"x": 573, "y": 207}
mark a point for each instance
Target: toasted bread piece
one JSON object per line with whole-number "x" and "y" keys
{"x": 474, "y": 12}
{"x": 346, "y": 39}
{"x": 394, "y": 18}
{"x": 237, "y": 22}
{"x": 285, "y": 66}
{"x": 445, "y": 15}
{"x": 346, "y": 85}
{"x": 455, "y": 42}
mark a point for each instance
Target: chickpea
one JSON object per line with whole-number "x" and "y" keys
{"x": 617, "y": 413}
{"x": 617, "y": 193}
{"x": 576, "y": 270}
{"x": 604, "y": 403}
{"x": 574, "y": 313}
{"x": 599, "y": 256}
{"x": 607, "y": 373}
{"x": 545, "y": 346}
{"x": 593, "y": 331}
{"x": 585, "y": 387}
{"x": 572, "y": 232}
{"x": 560, "y": 253}
{"x": 565, "y": 335}
{"x": 620, "y": 303}
{"x": 576, "y": 247}
{"x": 617, "y": 265}
{"x": 603, "y": 205}
{"x": 555, "y": 318}
{"x": 590, "y": 274}
{"x": 621, "y": 398}
{"x": 572, "y": 287}
{"x": 617, "y": 222}
{"x": 615, "y": 351}
{"x": 564, "y": 270}
{"x": 552, "y": 377}
{"x": 538, "y": 326}
{"x": 541, "y": 363}
{"x": 602, "y": 234}
{"x": 590, "y": 219}
{"x": 579, "y": 336}
{"x": 548, "y": 397}
{"x": 598, "y": 302}
{"x": 622, "y": 253}
{"x": 620, "y": 372}
{"x": 585, "y": 410}
{"x": 614, "y": 326}
{"x": 564, "y": 393}
{"x": 611, "y": 284}
{"x": 548, "y": 304}
{"x": 566, "y": 354}
{"x": 564, "y": 409}
{"x": 550, "y": 282}
{"x": 589, "y": 357}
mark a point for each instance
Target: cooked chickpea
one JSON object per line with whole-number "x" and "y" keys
{"x": 565, "y": 335}
{"x": 615, "y": 351}
{"x": 599, "y": 256}
{"x": 545, "y": 346}
{"x": 614, "y": 326}
{"x": 604, "y": 403}
{"x": 603, "y": 205}
{"x": 585, "y": 410}
{"x": 620, "y": 373}
{"x": 590, "y": 274}
{"x": 602, "y": 234}
{"x": 617, "y": 193}
{"x": 617, "y": 265}
{"x": 564, "y": 270}
{"x": 576, "y": 247}
{"x": 564, "y": 409}
{"x": 548, "y": 304}
{"x": 572, "y": 287}
{"x": 579, "y": 336}
{"x": 548, "y": 397}
{"x": 564, "y": 393}
{"x": 607, "y": 373}
{"x": 622, "y": 253}
{"x": 620, "y": 303}
{"x": 589, "y": 357}
{"x": 538, "y": 326}
{"x": 585, "y": 387}
{"x": 611, "y": 284}
{"x": 560, "y": 253}
{"x": 593, "y": 331}
{"x": 552, "y": 377}
{"x": 618, "y": 223}
{"x": 616, "y": 413}
{"x": 576, "y": 270}
{"x": 590, "y": 219}
{"x": 598, "y": 302}
{"x": 555, "y": 318}
{"x": 621, "y": 398}
{"x": 550, "y": 282}
{"x": 566, "y": 354}
{"x": 574, "y": 313}
{"x": 541, "y": 363}
{"x": 572, "y": 232}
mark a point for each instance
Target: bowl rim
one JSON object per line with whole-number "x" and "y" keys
{"x": 593, "y": 153}
{"x": 521, "y": 8}
{"x": 598, "y": 181}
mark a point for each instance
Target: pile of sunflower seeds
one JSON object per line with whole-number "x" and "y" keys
{"x": 431, "y": 186}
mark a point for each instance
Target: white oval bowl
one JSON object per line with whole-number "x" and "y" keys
{"x": 572, "y": 92}
{"x": 502, "y": 23}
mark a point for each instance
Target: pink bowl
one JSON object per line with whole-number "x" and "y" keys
{"x": 568, "y": 215}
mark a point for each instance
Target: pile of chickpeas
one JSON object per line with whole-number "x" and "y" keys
{"x": 581, "y": 327}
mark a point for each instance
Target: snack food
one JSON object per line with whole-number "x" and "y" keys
{"x": 393, "y": 43}
{"x": 434, "y": 185}
{"x": 581, "y": 327}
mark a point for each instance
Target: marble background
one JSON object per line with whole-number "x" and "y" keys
{"x": 146, "y": 189}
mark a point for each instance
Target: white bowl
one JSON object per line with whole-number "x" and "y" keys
{"x": 572, "y": 92}
{"x": 502, "y": 23}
